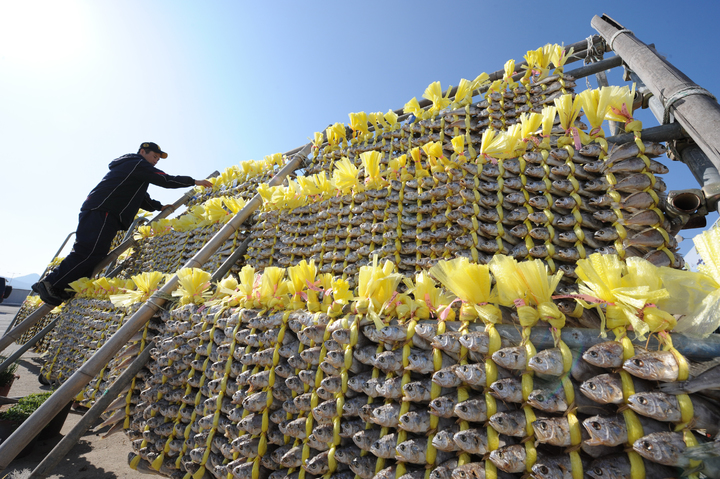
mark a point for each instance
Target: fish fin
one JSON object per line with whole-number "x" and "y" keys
{"x": 117, "y": 427}
{"x": 573, "y": 448}
{"x": 703, "y": 451}
{"x": 692, "y": 470}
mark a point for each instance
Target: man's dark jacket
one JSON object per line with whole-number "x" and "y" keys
{"x": 123, "y": 191}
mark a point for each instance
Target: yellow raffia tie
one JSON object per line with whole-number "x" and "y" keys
{"x": 637, "y": 465}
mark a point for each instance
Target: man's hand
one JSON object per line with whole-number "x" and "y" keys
{"x": 164, "y": 207}
{"x": 204, "y": 183}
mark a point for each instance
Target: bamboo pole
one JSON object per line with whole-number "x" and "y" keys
{"x": 68, "y": 442}
{"x": 698, "y": 113}
{"x": 16, "y": 355}
{"x": 75, "y": 383}
{"x": 15, "y": 333}
{"x": 230, "y": 261}
{"x": 63, "y": 447}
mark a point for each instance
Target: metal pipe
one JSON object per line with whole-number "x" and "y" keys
{"x": 75, "y": 383}
{"x": 67, "y": 238}
{"x": 671, "y": 131}
{"x": 71, "y": 438}
{"x": 15, "y": 333}
{"x": 16, "y": 355}
{"x": 698, "y": 113}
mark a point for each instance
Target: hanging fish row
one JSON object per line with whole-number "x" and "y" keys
{"x": 499, "y": 110}
{"x": 254, "y": 394}
{"x": 537, "y": 206}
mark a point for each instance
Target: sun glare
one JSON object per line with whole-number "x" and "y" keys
{"x": 41, "y": 34}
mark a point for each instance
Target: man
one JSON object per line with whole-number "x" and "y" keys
{"x": 111, "y": 206}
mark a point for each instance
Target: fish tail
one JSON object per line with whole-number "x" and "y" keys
{"x": 675, "y": 388}
{"x": 703, "y": 451}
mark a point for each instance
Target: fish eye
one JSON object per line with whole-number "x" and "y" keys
{"x": 540, "y": 397}
{"x": 499, "y": 420}
{"x": 647, "y": 445}
{"x": 376, "y": 444}
{"x": 597, "y": 471}
{"x": 593, "y": 354}
{"x": 596, "y": 425}
{"x": 638, "y": 362}
{"x": 405, "y": 419}
{"x": 642, "y": 400}
{"x": 543, "y": 426}
{"x": 592, "y": 386}
{"x": 499, "y": 387}
{"x": 543, "y": 469}
{"x": 401, "y": 447}
{"x": 463, "y": 408}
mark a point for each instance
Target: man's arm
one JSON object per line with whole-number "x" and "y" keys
{"x": 149, "y": 204}
{"x": 149, "y": 173}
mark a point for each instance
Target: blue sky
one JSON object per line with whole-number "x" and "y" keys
{"x": 219, "y": 82}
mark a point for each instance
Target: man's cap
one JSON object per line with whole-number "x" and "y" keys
{"x": 150, "y": 146}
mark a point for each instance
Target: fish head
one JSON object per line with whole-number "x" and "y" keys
{"x": 552, "y": 430}
{"x": 506, "y": 389}
{"x": 510, "y": 458}
{"x": 539, "y": 251}
{"x": 653, "y": 365}
{"x": 441, "y": 406}
{"x": 511, "y": 358}
{"x": 468, "y": 439}
{"x": 547, "y": 401}
{"x": 469, "y": 373}
{"x": 392, "y": 333}
{"x": 603, "y": 389}
{"x": 655, "y": 405}
{"x": 550, "y": 470}
{"x": 662, "y": 447}
{"x": 507, "y": 424}
{"x": 445, "y": 376}
{"x": 477, "y": 342}
{"x": 410, "y": 450}
{"x": 607, "y": 470}
{"x": 605, "y": 430}
{"x": 548, "y": 361}
{"x": 342, "y": 336}
{"x": 607, "y": 250}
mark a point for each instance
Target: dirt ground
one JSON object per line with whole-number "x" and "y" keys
{"x": 92, "y": 457}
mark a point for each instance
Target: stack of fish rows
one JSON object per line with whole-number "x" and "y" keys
{"x": 168, "y": 252}
{"x": 499, "y": 110}
{"x": 285, "y": 393}
{"x": 558, "y": 205}
{"x": 87, "y": 324}
{"x": 242, "y": 189}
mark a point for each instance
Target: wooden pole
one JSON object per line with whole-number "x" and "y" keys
{"x": 75, "y": 383}
{"x": 90, "y": 416}
{"x": 698, "y": 113}
{"x": 68, "y": 442}
{"x": 15, "y": 333}
{"x": 16, "y": 355}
